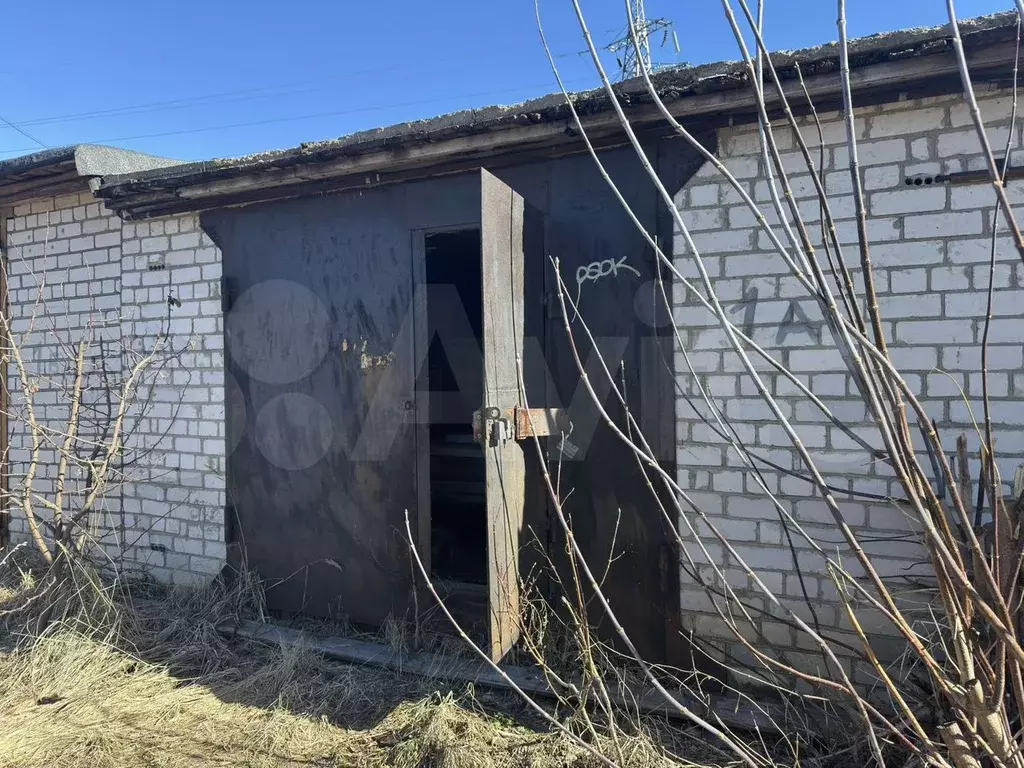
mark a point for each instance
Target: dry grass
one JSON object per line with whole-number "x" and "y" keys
{"x": 73, "y": 701}
{"x": 142, "y": 678}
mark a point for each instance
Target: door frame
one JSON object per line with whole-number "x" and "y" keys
{"x": 421, "y": 402}
{"x": 508, "y": 226}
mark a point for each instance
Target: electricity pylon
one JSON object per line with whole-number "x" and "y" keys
{"x": 635, "y": 58}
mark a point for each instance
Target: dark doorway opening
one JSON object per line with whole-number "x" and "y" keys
{"x": 458, "y": 501}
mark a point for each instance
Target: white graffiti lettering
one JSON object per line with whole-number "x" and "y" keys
{"x": 598, "y": 269}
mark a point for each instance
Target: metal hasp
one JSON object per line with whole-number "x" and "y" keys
{"x": 540, "y": 422}
{"x": 492, "y": 425}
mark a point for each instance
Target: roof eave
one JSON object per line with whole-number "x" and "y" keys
{"x": 450, "y": 149}
{"x": 46, "y": 180}
{"x": 65, "y": 170}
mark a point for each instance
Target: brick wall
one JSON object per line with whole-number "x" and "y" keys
{"x": 142, "y": 288}
{"x": 930, "y": 245}
{"x": 63, "y": 261}
{"x": 171, "y": 284}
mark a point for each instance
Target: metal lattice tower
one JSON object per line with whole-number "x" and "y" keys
{"x": 638, "y": 58}
{"x": 635, "y": 59}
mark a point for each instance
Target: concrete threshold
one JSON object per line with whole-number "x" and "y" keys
{"x": 730, "y": 711}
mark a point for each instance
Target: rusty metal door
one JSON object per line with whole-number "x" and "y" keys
{"x": 509, "y": 228}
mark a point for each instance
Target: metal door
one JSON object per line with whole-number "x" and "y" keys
{"x": 319, "y": 392}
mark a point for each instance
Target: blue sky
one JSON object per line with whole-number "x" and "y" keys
{"x": 194, "y": 80}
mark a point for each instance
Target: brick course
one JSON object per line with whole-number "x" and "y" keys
{"x": 165, "y": 511}
{"x": 930, "y": 248}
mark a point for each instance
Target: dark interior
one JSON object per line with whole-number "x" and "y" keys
{"x": 458, "y": 512}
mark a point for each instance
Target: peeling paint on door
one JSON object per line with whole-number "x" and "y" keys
{"x": 367, "y": 360}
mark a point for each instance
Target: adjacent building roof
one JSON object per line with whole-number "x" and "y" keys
{"x": 69, "y": 169}
{"x": 707, "y": 95}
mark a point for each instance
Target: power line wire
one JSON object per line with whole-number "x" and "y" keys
{"x": 292, "y": 118}
{"x": 283, "y": 89}
{"x": 24, "y": 133}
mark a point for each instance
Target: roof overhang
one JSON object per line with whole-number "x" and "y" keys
{"x": 65, "y": 170}
{"x": 883, "y": 68}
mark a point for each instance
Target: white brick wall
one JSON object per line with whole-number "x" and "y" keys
{"x": 180, "y": 500}
{"x": 930, "y": 245}
{"x": 147, "y": 286}
{"x": 61, "y": 281}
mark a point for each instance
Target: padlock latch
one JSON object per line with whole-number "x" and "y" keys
{"x": 493, "y": 426}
